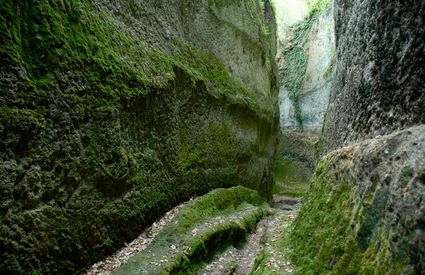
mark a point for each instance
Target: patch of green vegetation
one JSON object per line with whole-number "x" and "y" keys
{"x": 294, "y": 70}
{"x": 265, "y": 29}
{"x": 216, "y": 203}
{"x": 117, "y": 64}
{"x": 12, "y": 118}
{"x": 317, "y": 6}
{"x": 315, "y": 246}
{"x": 259, "y": 267}
{"x": 211, "y": 222}
{"x": 294, "y": 162}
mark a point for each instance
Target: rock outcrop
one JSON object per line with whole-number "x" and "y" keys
{"x": 112, "y": 112}
{"x": 365, "y": 208}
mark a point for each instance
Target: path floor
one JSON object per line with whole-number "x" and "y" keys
{"x": 137, "y": 245}
{"x": 267, "y": 233}
{"x": 234, "y": 260}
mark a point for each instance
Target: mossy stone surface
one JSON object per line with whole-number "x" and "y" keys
{"x": 111, "y": 115}
{"x": 295, "y": 160}
{"x": 354, "y": 219}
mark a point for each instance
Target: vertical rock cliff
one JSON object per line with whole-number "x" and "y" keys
{"x": 306, "y": 62}
{"x": 380, "y": 75}
{"x": 114, "y": 111}
{"x": 364, "y": 211}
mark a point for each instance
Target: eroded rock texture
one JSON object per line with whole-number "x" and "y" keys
{"x": 113, "y": 112}
{"x": 380, "y": 75}
{"x": 306, "y": 61}
{"x": 364, "y": 212}
{"x": 369, "y": 200}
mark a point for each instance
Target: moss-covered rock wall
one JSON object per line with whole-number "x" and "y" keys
{"x": 112, "y": 112}
{"x": 364, "y": 209}
{"x": 306, "y": 63}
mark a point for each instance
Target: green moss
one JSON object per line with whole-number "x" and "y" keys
{"x": 317, "y": 6}
{"x": 314, "y": 248}
{"x": 13, "y": 118}
{"x": 295, "y": 65}
{"x": 117, "y": 64}
{"x": 116, "y": 132}
{"x": 290, "y": 179}
{"x": 259, "y": 267}
{"x": 335, "y": 233}
{"x": 294, "y": 162}
{"x": 213, "y": 219}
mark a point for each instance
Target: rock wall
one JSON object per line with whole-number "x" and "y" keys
{"x": 306, "y": 58}
{"x": 307, "y": 61}
{"x": 318, "y": 78}
{"x": 113, "y": 112}
{"x": 364, "y": 210}
{"x": 379, "y": 84}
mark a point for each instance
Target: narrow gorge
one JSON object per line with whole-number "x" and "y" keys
{"x": 212, "y": 137}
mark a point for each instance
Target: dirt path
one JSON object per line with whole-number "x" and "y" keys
{"x": 121, "y": 256}
{"x": 238, "y": 260}
{"x": 268, "y": 232}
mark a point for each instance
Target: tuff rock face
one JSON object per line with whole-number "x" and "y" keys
{"x": 306, "y": 58}
{"x": 364, "y": 211}
{"x": 379, "y": 85}
{"x": 306, "y": 61}
{"x": 112, "y": 112}
{"x": 318, "y": 78}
